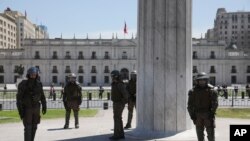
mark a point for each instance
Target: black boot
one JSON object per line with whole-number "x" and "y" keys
{"x": 127, "y": 126}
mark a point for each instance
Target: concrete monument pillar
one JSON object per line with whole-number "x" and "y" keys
{"x": 164, "y": 66}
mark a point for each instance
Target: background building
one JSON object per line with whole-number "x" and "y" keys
{"x": 231, "y": 27}
{"x": 224, "y": 64}
{"x": 15, "y": 27}
{"x": 224, "y": 54}
{"x": 91, "y": 60}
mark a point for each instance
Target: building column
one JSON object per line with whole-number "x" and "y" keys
{"x": 164, "y": 66}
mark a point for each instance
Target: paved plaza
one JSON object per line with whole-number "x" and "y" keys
{"x": 99, "y": 128}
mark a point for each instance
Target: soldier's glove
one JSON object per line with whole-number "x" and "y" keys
{"x": 44, "y": 110}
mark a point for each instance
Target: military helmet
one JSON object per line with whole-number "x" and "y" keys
{"x": 134, "y": 72}
{"x": 72, "y": 75}
{"x": 32, "y": 70}
{"x": 201, "y": 75}
{"x": 115, "y": 74}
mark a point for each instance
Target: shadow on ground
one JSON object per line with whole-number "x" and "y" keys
{"x": 56, "y": 129}
{"x": 129, "y": 136}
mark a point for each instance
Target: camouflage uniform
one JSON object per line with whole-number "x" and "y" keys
{"x": 30, "y": 96}
{"x": 72, "y": 99}
{"x": 131, "y": 87}
{"x": 119, "y": 96}
{"x": 202, "y": 105}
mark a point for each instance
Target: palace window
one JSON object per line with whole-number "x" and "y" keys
{"x": 195, "y": 55}
{"x": 93, "y": 55}
{"x": 124, "y": 55}
{"x": 67, "y": 55}
{"x": 106, "y": 56}
{"x": 37, "y": 55}
{"x": 106, "y": 79}
{"x": 106, "y": 69}
{"x": 54, "y": 79}
{"x": 93, "y": 79}
{"x": 248, "y": 69}
{"x": 233, "y": 79}
{"x": 233, "y": 70}
{"x": 80, "y": 55}
{"x": 212, "y": 55}
{"x": 1, "y": 69}
{"x": 80, "y": 69}
{"x": 212, "y": 69}
{"x": 54, "y": 55}
{"x": 67, "y": 70}
{"x": 93, "y": 70}
{"x": 80, "y": 79}
{"x": 54, "y": 70}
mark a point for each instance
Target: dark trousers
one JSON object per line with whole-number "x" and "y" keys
{"x": 67, "y": 116}
{"x": 118, "y": 125}
{"x": 204, "y": 121}
{"x": 131, "y": 106}
{"x": 30, "y": 120}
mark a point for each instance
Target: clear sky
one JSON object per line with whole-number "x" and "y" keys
{"x": 95, "y": 17}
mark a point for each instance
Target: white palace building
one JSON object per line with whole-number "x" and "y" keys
{"x": 92, "y": 60}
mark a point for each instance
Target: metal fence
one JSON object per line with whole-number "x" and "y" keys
{"x": 234, "y": 98}
{"x": 227, "y": 98}
{"x": 91, "y": 99}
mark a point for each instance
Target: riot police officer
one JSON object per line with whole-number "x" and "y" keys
{"x": 29, "y": 98}
{"x": 131, "y": 87}
{"x": 72, "y": 99}
{"x": 202, "y": 105}
{"x": 119, "y": 96}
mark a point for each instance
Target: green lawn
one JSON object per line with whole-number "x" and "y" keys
{"x": 12, "y": 116}
{"x": 243, "y": 113}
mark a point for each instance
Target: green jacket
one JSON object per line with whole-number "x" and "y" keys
{"x": 202, "y": 100}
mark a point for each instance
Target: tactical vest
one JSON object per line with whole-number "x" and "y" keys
{"x": 202, "y": 100}
{"x": 116, "y": 94}
{"x": 31, "y": 95}
{"x": 72, "y": 92}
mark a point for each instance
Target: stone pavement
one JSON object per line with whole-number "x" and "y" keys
{"x": 99, "y": 128}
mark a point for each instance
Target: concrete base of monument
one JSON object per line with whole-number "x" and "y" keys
{"x": 138, "y": 134}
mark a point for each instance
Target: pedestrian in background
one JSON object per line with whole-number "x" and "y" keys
{"x": 101, "y": 90}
